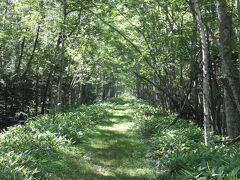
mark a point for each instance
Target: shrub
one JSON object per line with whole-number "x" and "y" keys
{"x": 179, "y": 150}
{"x": 22, "y": 148}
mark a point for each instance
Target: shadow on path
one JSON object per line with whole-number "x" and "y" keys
{"x": 113, "y": 151}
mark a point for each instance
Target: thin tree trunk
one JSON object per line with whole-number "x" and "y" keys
{"x": 83, "y": 98}
{"x": 205, "y": 60}
{"x": 37, "y": 94}
{"x": 21, "y": 55}
{"x": 238, "y": 31}
{"x": 33, "y": 52}
{"x": 45, "y": 93}
{"x": 63, "y": 37}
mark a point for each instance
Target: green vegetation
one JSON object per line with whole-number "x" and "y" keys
{"x": 180, "y": 56}
{"x": 180, "y": 151}
{"x": 95, "y": 141}
{"x": 123, "y": 138}
{"x": 114, "y": 151}
{"x": 41, "y": 146}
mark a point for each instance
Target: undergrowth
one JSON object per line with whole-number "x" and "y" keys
{"x": 29, "y": 151}
{"x": 179, "y": 150}
{"x": 25, "y": 149}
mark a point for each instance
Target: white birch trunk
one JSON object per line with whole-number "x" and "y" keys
{"x": 205, "y": 60}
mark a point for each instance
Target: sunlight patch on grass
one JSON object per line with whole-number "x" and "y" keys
{"x": 133, "y": 172}
{"x": 101, "y": 170}
{"x": 118, "y": 127}
{"x": 110, "y": 151}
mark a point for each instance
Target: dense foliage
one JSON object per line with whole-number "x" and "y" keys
{"x": 182, "y": 56}
{"x": 179, "y": 150}
{"x": 57, "y": 54}
{"x": 25, "y": 150}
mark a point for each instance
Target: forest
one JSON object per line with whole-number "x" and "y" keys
{"x": 120, "y": 89}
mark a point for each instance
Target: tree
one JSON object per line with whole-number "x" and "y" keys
{"x": 229, "y": 70}
{"x": 205, "y": 60}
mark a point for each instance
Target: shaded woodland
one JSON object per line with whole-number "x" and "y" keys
{"x": 182, "y": 56}
{"x": 118, "y": 89}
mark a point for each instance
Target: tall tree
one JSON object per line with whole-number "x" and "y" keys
{"x": 205, "y": 60}
{"x": 229, "y": 70}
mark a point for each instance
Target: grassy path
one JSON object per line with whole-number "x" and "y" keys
{"x": 111, "y": 151}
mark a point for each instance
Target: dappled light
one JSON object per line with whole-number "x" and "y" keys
{"x": 119, "y": 89}
{"x": 113, "y": 150}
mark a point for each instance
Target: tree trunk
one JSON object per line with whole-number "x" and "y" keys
{"x": 83, "y": 94}
{"x": 238, "y": 28}
{"x": 62, "y": 59}
{"x": 37, "y": 94}
{"x": 229, "y": 70}
{"x": 33, "y": 52}
{"x": 204, "y": 43}
{"x": 105, "y": 91}
{"x": 21, "y": 56}
{"x": 45, "y": 93}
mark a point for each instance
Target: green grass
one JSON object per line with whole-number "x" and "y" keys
{"x": 51, "y": 147}
{"x": 112, "y": 150}
{"x": 123, "y": 138}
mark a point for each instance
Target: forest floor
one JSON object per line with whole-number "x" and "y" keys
{"x": 112, "y": 150}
